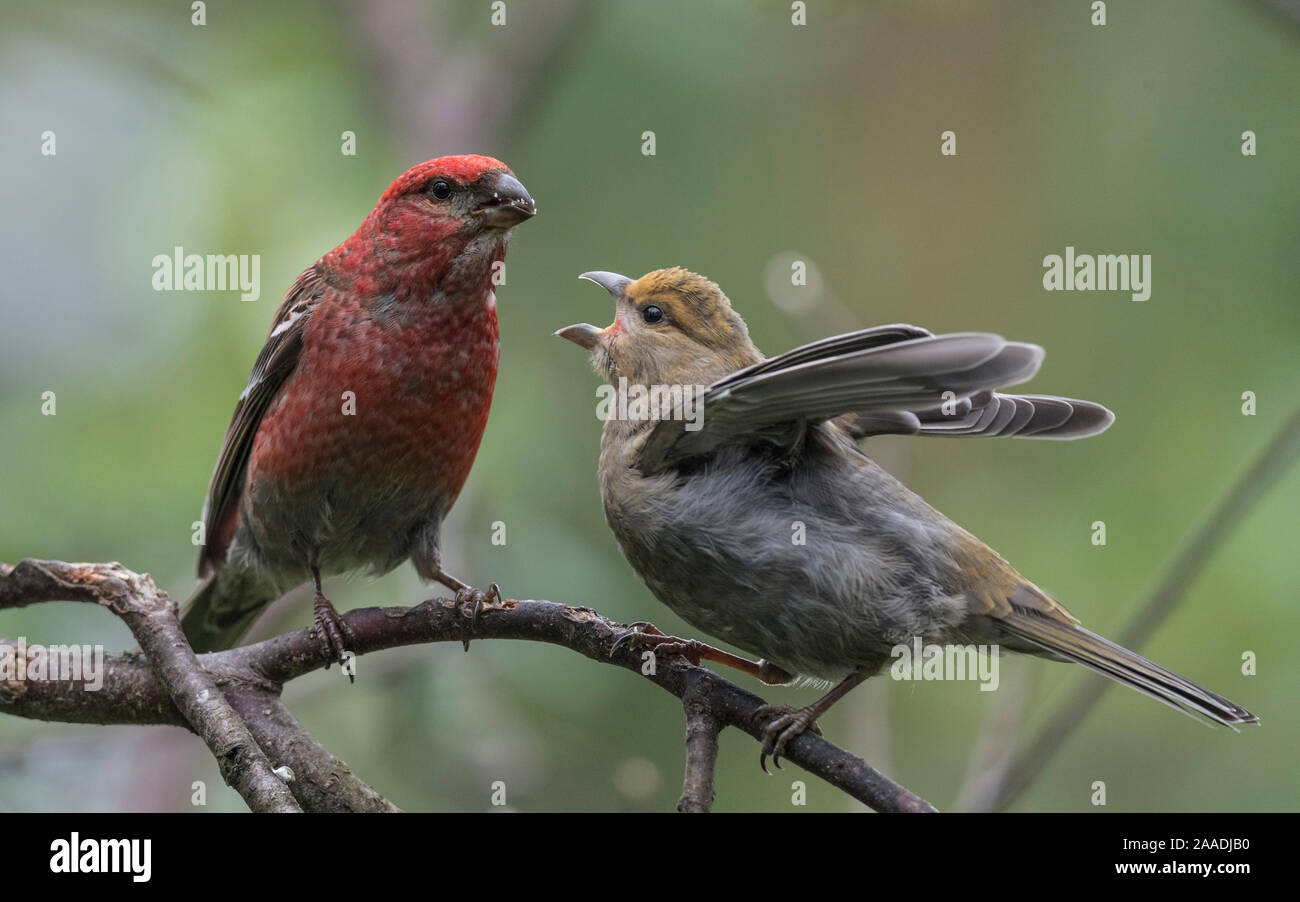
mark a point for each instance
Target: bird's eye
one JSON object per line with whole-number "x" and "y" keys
{"x": 441, "y": 189}
{"x": 652, "y": 314}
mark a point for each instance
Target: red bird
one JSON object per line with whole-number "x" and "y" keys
{"x": 365, "y": 408}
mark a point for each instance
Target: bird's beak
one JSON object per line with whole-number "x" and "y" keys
{"x": 612, "y": 282}
{"x": 584, "y": 334}
{"x": 506, "y": 202}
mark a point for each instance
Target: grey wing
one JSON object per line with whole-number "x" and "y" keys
{"x": 274, "y": 364}
{"x": 889, "y": 380}
{"x": 991, "y": 414}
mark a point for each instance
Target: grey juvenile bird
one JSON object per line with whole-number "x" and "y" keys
{"x": 705, "y": 515}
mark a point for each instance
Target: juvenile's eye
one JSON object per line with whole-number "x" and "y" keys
{"x": 652, "y": 314}
{"x": 441, "y": 189}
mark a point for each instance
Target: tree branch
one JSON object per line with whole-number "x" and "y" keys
{"x": 152, "y": 619}
{"x": 701, "y": 750}
{"x": 130, "y": 694}
{"x": 320, "y": 781}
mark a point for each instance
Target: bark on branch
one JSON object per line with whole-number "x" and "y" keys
{"x": 701, "y": 749}
{"x": 152, "y": 619}
{"x": 138, "y": 691}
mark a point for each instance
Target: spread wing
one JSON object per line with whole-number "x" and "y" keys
{"x": 274, "y": 364}
{"x": 990, "y": 414}
{"x": 887, "y": 380}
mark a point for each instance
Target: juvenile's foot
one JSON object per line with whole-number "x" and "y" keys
{"x": 786, "y": 724}
{"x": 648, "y": 636}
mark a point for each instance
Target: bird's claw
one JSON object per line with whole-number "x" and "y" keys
{"x": 647, "y": 634}
{"x": 634, "y": 631}
{"x": 335, "y": 635}
{"x": 785, "y": 725}
{"x": 478, "y": 602}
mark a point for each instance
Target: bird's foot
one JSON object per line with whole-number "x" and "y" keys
{"x": 477, "y": 602}
{"x": 647, "y": 635}
{"x": 335, "y": 635}
{"x": 784, "y": 725}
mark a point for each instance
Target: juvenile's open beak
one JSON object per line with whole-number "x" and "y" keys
{"x": 610, "y": 281}
{"x": 584, "y": 334}
{"x": 505, "y": 201}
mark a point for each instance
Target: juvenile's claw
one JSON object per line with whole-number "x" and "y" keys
{"x": 633, "y": 631}
{"x": 650, "y": 636}
{"x": 785, "y": 725}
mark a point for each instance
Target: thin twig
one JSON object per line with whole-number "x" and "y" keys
{"x": 991, "y": 756}
{"x": 1186, "y": 567}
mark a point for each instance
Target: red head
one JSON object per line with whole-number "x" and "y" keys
{"x": 435, "y": 214}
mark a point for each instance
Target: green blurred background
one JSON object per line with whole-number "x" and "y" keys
{"x": 774, "y": 143}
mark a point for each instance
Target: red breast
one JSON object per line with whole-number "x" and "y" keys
{"x": 384, "y": 403}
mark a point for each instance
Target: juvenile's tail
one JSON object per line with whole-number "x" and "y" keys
{"x": 1077, "y": 644}
{"x": 223, "y": 609}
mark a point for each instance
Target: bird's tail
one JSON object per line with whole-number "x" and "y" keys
{"x": 223, "y": 609}
{"x": 1077, "y": 644}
